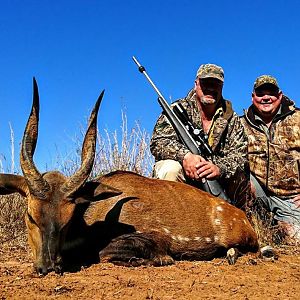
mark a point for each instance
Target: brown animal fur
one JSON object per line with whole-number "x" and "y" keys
{"x": 194, "y": 224}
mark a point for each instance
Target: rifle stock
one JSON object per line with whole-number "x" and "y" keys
{"x": 211, "y": 186}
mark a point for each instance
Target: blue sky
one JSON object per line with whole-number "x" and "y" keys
{"x": 77, "y": 48}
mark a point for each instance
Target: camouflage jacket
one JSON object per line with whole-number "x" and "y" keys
{"x": 274, "y": 154}
{"x": 226, "y": 137}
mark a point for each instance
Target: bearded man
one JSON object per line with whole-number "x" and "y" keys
{"x": 210, "y": 112}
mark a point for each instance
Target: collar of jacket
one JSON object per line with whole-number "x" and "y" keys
{"x": 225, "y": 104}
{"x": 287, "y": 107}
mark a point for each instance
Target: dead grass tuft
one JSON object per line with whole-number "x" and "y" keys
{"x": 128, "y": 151}
{"x": 123, "y": 149}
{"x": 269, "y": 232}
{"x": 12, "y": 224}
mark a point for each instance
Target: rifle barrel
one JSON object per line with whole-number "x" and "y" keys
{"x": 143, "y": 70}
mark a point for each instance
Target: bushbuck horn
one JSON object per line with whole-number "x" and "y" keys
{"x": 37, "y": 185}
{"x": 87, "y": 154}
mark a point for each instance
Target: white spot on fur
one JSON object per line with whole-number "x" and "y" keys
{"x": 180, "y": 238}
{"x": 208, "y": 239}
{"x": 166, "y": 230}
{"x": 245, "y": 221}
{"x": 197, "y": 238}
{"x": 216, "y": 238}
{"x": 219, "y": 208}
{"x": 217, "y": 221}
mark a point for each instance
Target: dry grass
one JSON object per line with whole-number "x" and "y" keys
{"x": 7, "y": 164}
{"x": 12, "y": 224}
{"x": 130, "y": 152}
{"x": 269, "y": 232}
{"x": 118, "y": 150}
{"x": 12, "y": 207}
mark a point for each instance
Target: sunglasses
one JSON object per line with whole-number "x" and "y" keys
{"x": 262, "y": 93}
{"x": 209, "y": 82}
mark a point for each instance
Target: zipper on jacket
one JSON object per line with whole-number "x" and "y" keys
{"x": 268, "y": 161}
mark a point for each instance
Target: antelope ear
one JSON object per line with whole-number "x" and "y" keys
{"x": 10, "y": 183}
{"x": 95, "y": 191}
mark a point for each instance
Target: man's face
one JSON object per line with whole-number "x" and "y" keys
{"x": 208, "y": 90}
{"x": 267, "y": 100}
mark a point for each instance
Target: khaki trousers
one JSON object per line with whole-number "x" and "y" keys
{"x": 169, "y": 170}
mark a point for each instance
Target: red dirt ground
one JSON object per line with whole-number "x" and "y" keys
{"x": 249, "y": 278}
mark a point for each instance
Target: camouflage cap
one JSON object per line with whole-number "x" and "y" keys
{"x": 210, "y": 71}
{"x": 265, "y": 79}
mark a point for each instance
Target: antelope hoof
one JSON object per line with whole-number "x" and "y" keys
{"x": 268, "y": 253}
{"x": 232, "y": 255}
{"x": 162, "y": 260}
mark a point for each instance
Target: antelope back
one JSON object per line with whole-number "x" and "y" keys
{"x": 186, "y": 215}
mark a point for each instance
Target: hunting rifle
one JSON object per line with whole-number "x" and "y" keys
{"x": 194, "y": 138}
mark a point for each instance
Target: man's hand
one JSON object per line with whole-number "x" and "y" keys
{"x": 196, "y": 167}
{"x": 189, "y": 165}
{"x": 206, "y": 169}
